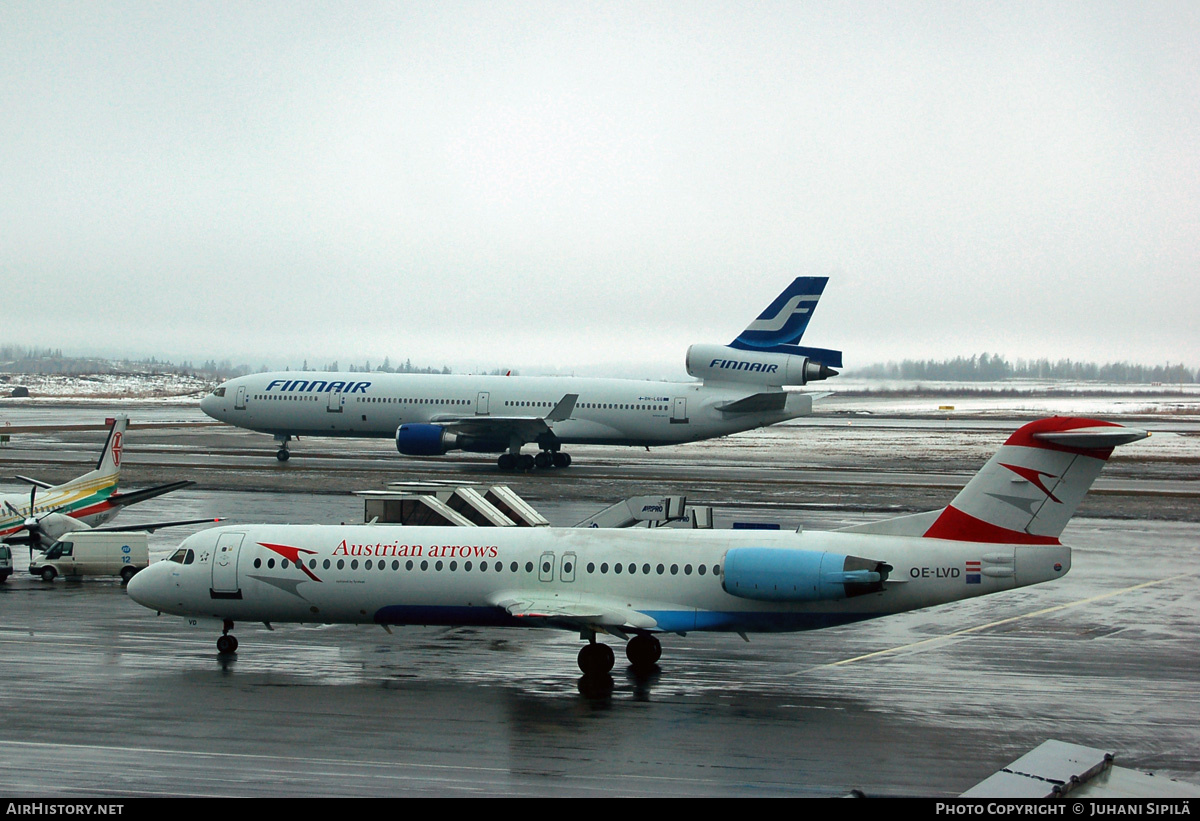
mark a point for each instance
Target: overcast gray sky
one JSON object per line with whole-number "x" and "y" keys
{"x": 585, "y": 186}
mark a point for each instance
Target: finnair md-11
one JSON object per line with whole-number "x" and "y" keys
{"x": 741, "y": 388}
{"x": 1000, "y": 532}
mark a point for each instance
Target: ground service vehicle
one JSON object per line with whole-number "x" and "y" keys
{"x": 94, "y": 553}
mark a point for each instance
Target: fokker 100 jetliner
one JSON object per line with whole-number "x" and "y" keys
{"x": 1000, "y": 532}
{"x": 741, "y": 388}
{"x": 83, "y": 503}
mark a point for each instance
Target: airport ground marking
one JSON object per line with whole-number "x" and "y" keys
{"x": 1011, "y": 619}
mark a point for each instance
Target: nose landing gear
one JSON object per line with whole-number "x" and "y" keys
{"x": 227, "y": 645}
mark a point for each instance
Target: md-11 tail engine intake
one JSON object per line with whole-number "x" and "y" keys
{"x": 724, "y": 364}
{"x": 790, "y": 575}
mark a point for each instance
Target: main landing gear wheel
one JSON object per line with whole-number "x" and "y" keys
{"x": 595, "y": 659}
{"x": 515, "y": 461}
{"x": 643, "y": 651}
{"x": 526, "y": 462}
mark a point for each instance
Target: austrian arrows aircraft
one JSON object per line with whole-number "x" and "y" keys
{"x": 742, "y": 388}
{"x": 39, "y": 519}
{"x": 1000, "y": 532}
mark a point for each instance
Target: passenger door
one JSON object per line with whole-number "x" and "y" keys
{"x": 225, "y": 584}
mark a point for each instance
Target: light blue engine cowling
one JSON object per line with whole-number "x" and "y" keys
{"x": 784, "y": 574}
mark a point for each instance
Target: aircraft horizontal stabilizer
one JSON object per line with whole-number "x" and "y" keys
{"x": 1097, "y": 438}
{"x": 757, "y": 403}
{"x": 122, "y": 498}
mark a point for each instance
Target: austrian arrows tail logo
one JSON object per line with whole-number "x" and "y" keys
{"x": 1034, "y": 477}
{"x": 116, "y": 449}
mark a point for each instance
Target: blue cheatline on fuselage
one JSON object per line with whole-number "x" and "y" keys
{"x": 669, "y": 621}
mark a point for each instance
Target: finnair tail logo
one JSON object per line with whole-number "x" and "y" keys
{"x": 799, "y": 304}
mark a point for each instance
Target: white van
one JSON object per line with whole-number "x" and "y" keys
{"x": 5, "y": 562}
{"x": 94, "y": 553}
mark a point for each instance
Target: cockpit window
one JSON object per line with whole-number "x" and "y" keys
{"x": 182, "y": 556}
{"x": 219, "y": 391}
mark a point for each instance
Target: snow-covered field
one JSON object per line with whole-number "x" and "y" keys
{"x": 168, "y": 387}
{"x": 1012, "y": 397}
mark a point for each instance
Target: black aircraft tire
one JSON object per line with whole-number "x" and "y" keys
{"x": 595, "y": 659}
{"x": 283, "y": 455}
{"x": 643, "y": 651}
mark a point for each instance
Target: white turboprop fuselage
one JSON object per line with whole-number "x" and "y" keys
{"x": 628, "y": 581}
{"x": 607, "y": 411}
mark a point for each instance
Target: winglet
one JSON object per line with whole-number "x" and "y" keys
{"x": 563, "y": 410}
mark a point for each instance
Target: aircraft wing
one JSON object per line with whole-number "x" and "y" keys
{"x": 150, "y": 527}
{"x": 528, "y": 428}
{"x": 586, "y": 613}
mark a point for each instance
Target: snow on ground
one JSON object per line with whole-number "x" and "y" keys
{"x": 1016, "y": 397}
{"x": 169, "y": 387}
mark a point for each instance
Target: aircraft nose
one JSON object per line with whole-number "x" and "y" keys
{"x": 208, "y": 404}
{"x": 148, "y": 587}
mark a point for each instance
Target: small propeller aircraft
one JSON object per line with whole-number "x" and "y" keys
{"x": 84, "y": 503}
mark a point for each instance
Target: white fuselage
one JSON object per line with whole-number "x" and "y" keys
{"x": 645, "y": 580}
{"x": 607, "y": 411}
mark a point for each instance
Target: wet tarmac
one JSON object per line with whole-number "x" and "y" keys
{"x": 102, "y": 698}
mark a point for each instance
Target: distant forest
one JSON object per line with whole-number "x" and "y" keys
{"x": 18, "y": 359}
{"x": 995, "y": 368}
{"x": 982, "y": 368}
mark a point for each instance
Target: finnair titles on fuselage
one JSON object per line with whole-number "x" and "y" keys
{"x": 742, "y": 388}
